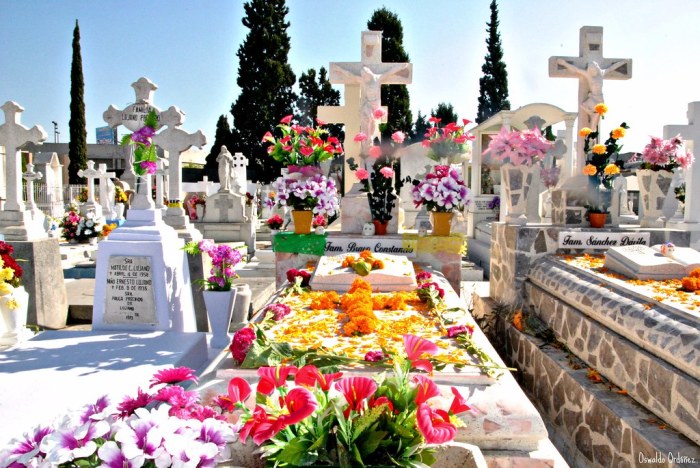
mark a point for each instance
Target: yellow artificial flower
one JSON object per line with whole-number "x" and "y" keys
{"x": 590, "y": 170}
{"x": 599, "y": 149}
{"x": 601, "y": 109}
{"x": 6, "y": 274}
{"x": 12, "y": 304}
{"x": 611, "y": 169}
{"x": 584, "y": 132}
{"x": 618, "y": 133}
{"x": 5, "y": 289}
{"x": 271, "y": 194}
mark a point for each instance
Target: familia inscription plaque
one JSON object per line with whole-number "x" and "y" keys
{"x": 130, "y": 297}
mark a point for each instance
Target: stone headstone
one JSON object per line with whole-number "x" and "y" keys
{"x": 49, "y": 165}
{"x": 646, "y": 263}
{"x": 591, "y": 68}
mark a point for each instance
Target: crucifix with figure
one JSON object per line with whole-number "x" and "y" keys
{"x": 366, "y": 76}
{"x": 591, "y": 68}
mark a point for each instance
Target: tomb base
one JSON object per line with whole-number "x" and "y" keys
{"x": 22, "y": 225}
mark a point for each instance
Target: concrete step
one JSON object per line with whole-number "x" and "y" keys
{"x": 648, "y": 350}
{"x": 482, "y": 231}
{"x": 591, "y": 424}
{"x": 479, "y": 253}
{"x": 471, "y": 271}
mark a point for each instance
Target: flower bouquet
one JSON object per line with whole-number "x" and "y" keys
{"x": 519, "y": 147}
{"x": 167, "y": 426}
{"x": 666, "y": 155}
{"x": 79, "y": 228}
{"x": 145, "y": 155}
{"x": 10, "y": 277}
{"x": 317, "y": 194}
{"x": 326, "y": 419}
{"x": 275, "y": 222}
{"x": 301, "y": 146}
{"x": 441, "y": 192}
{"x": 448, "y": 144}
{"x": 602, "y": 163}
{"x": 223, "y": 259}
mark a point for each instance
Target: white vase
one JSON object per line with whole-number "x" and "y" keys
{"x": 653, "y": 189}
{"x": 220, "y": 311}
{"x": 119, "y": 211}
{"x": 241, "y": 305}
{"x": 199, "y": 209}
{"x": 13, "y": 324}
{"x": 516, "y": 182}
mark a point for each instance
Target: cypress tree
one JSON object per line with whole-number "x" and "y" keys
{"x": 265, "y": 79}
{"x": 446, "y": 112}
{"x": 313, "y": 93}
{"x": 420, "y": 128}
{"x": 493, "y": 86}
{"x": 77, "y": 147}
{"x": 221, "y": 137}
{"x": 395, "y": 97}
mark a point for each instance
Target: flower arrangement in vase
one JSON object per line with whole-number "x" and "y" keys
{"x": 602, "y": 166}
{"x": 10, "y": 277}
{"x": 319, "y": 224}
{"x": 275, "y": 222}
{"x": 79, "y": 228}
{"x": 442, "y": 191}
{"x": 449, "y": 144}
{"x": 223, "y": 259}
{"x": 302, "y": 146}
{"x": 327, "y": 419}
{"x": 666, "y": 155}
{"x": 314, "y": 195}
{"x": 379, "y": 183}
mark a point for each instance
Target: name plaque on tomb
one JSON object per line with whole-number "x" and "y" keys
{"x": 600, "y": 240}
{"x": 130, "y": 297}
{"x": 134, "y": 116}
{"x": 384, "y": 245}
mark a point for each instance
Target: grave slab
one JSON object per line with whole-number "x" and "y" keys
{"x": 397, "y": 274}
{"x": 59, "y": 371}
{"x": 642, "y": 262}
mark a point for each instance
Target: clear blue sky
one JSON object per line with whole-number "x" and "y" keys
{"x": 188, "y": 49}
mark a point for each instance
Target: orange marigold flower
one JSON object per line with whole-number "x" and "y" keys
{"x": 611, "y": 169}
{"x": 590, "y": 170}
{"x": 695, "y": 273}
{"x": 691, "y": 283}
{"x": 377, "y": 264}
{"x": 599, "y": 149}
{"x": 584, "y": 132}
{"x": 360, "y": 284}
{"x": 601, "y": 109}
{"x": 618, "y": 133}
{"x": 366, "y": 254}
{"x": 348, "y": 261}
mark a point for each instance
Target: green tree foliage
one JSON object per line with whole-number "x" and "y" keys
{"x": 420, "y": 128}
{"x": 395, "y": 97}
{"x": 313, "y": 93}
{"x": 446, "y": 112}
{"x": 221, "y": 137}
{"x": 493, "y": 86}
{"x": 77, "y": 147}
{"x": 265, "y": 79}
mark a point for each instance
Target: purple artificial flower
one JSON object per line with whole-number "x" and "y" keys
{"x": 278, "y": 310}
{"x": 143, "y": 135}
{"x": 375, "y": 356}
{"x": 24, "y": 450}
{"x": 148, "y": 166}
{"x": 112, "y": 457}
{"x": 94, "y": 411}
{"x": 460, "y": 330}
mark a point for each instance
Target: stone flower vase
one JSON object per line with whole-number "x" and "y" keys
{"x": 13, "y": 321}
{"x": 220, "y": 311}
{"x": 442, "y": 222}
{"x": 653, "y": 189}
{"x": 516, "y": 182}
{"x": 199, "y": 210}
{"x": 119, "y": 211}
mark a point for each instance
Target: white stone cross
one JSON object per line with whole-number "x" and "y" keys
{"x": 691, "y": 135}
{"x": 174, "y": 141}
{"x": 30, "y": 176}
{"x": 368, "y": 75}
{"x": 12, "y": 136}
{"x": 91, "y": 174}
{"x": 107, "y": 189}
{"x": 240, "y": 162}
{"x": 160, "y": 174}
{"x": 224, "y": 204}
{"x": 133, "y": 117}
{"x": 591, "y": 68}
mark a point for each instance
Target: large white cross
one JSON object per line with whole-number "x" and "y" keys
{"x": 133, "y": 117}
{"x": 91, "y": 174}
{"x": 591, "y": 68}
{"x": 691, "y": 134}
{"x": 238, "y": 173}
{"x": 30, "y": 176}
{"x": 368, "y": 75}
{"x": 174, "y": 141}
{"x": 13, "y": 135}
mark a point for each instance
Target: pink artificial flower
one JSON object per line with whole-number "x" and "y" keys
{"x": 286, "y": 119}
{"x": 241, "y": 343}
{"x": 459, "y": 330}
{"x": 306, "y": 150}
{"x": 300, "y": 404}
{"x": 268, "y": 137}
{"x": 434, "y": 119}
{"x": 398, "y": 137}
{"x": 416, "y": 346}
{"x": 148, "y": 166}
{"x": 375, "y": 356}
{"x": 128, "y": 405}
{"x": 459, "y": 403}
{"x": 425, "y": 143}
{"x": 320, "y": 122}
{"x": 685, "y": 160}
{"x": 274, "y": 377}
{"x": 355, "y": 390}
{"x": 379, "y": 113}
{"x": 434, "y": 425}
{"x": 362, "y": 174}
{"x": 375, "y": 152}
{"x": 359, "y": 137}
{"x": 426, "y": 388}
{"x": 238, "y": 390}
{"x": 310, "y": 376}
{"x": 173, "y": 376}
{"x": 387, "y": 172}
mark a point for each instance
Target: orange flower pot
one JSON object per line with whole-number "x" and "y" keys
{"x": 442, "y": 223}
{"x": 597, "y": 220}
{"x": 302, "y": 221}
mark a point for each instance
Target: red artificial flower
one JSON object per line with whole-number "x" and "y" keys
{"x": 459, "y": 403}
{"x": 309, "y": 376}
{"x": 359, "y": 137}
{"x": 306, "y": 150}
{"x": 434, "y": 425}
{"x": 382, "y": 400}
{"x": 356, "y": 390}
{"x": 241, "y": 343}
{"x": 416, "y": 346}
{"x": 238, "y": 390}
{"x": 260, "y": 425}
{"x": 426, "y": 389}
{"x": 268, "y": 137}
{"x": 422, "y": 364}
{"x": 274, "y": 377}
{"x": 434, "y": 119}
{"x": 320, "y": 122}
{"x": 466, "y": 122}
{"x": 128, "y": 405}
{"x": 286, "y": 119}
{"x": 173, "y": 376}
{"x": 300, "y": 403}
